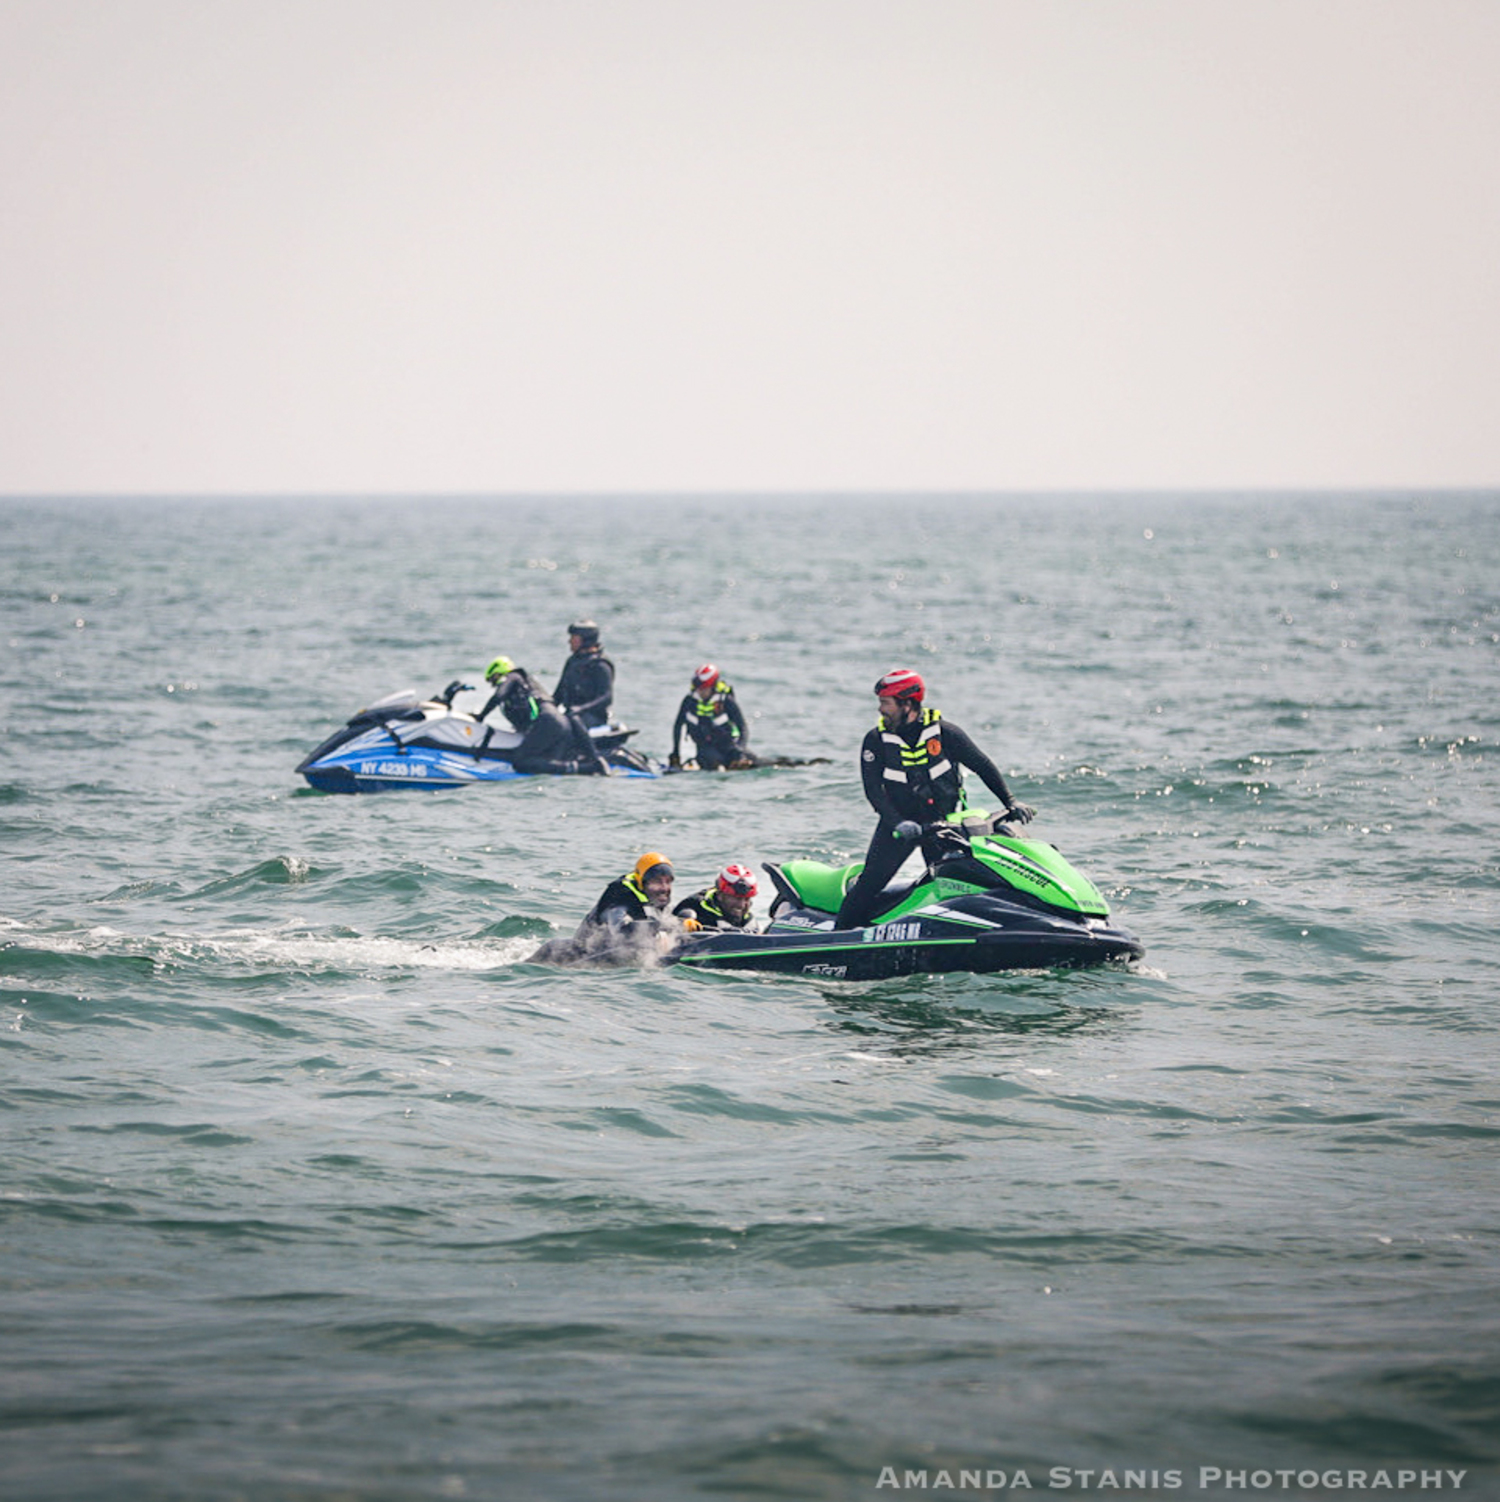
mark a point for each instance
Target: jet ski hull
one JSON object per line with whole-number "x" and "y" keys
{"x": 402, "y": 744}
{"x": 1018, "y": 938}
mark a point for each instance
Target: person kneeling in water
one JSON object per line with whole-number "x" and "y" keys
{"x": 547, "y": 736}
{"x": 714, "y": 722}
{"x": 726, "y": 904}
{"x": 628, "y": 924}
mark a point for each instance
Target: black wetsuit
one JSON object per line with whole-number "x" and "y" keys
{"x": 911, "y": 773}
{"x": 704, "y": 906}
{"x": 717, "y": 727}
{"x": 548, "y": 742}
{"x": 587, "y": 687}
{"x": 623, "y": 901}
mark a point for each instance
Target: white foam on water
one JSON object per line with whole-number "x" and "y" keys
{"x": 259, "y": 947}
{"x": 361, "y": 952}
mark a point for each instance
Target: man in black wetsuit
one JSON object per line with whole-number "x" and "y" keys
{"x": 714, "y": 722}
{"x": 640, "y": 896}
{"x": 726, "y": 904}
{"x": 587, "y": 684}
{"x": 585, "y": 689}
{"x": 629, "y": 924}
{"x": 910, "y": 764}
{"x": 548, "y": 744}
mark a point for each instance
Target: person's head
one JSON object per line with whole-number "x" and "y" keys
{"x": 900, "y": 693}
{"x": 583, "y": 636}
{"x": 654, "y": 872}
{"x": 705, "y": 680}
{"x": 735, "y": 886}
{"x": 498, "y": 669}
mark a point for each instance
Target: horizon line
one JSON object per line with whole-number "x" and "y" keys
{"x": 1058, "y": 492}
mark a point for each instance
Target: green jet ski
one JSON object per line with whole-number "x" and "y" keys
{"x": 993, "y": 901}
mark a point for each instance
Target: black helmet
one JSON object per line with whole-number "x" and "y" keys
{"x": 586, "y": 631}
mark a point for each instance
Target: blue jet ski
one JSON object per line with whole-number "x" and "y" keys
{"x": 402, "y": 741}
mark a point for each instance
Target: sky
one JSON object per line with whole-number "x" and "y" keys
{"x": 496, "y": 246}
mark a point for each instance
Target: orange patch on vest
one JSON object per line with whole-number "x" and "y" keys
{"x": 934, "y": 747}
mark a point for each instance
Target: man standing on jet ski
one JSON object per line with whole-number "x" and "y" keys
{"x": 714, "y": 722}
{"x": 726, "y": 904}
{"x": 529, "y": 708}
{"x": 910, "y": 764}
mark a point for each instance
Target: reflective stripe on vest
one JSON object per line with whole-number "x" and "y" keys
{"x": 712, "y": 708}
{"x": 906, "y": 763}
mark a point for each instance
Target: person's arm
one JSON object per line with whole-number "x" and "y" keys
{"x": 684, "y": 711}
{"x": 872, "y": 769}
{"x": 616, "y": 917}
{"x": 599, "y": 685}
{"x": 737, "y": 719}
{"x": 686, "y": 913}
{"x": 961, "y": 749}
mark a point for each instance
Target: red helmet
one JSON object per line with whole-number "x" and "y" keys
{"x": 706, "y": 676}
{"x": 740, "y": 879}
{"x": 901, "y": 683}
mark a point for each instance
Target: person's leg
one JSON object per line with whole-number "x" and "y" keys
{"x": 882, "y": 860}
{"x": 546, "y": 747}
{"x": 584, "y": 747}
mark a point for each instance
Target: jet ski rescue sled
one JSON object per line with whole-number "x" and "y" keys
{"x": 404, "y": 742}
{"x": 994, "y": 902}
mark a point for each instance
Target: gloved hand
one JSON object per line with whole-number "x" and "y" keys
{"x": 691, "y": 924}
{"x": 1020, "y": 813}
{"x": 908, "y": 830}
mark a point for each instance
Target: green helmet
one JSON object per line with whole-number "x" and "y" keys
{"x": 498, "y": 669}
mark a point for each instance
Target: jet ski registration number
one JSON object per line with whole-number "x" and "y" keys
{"x": 391, "y": 769}
{"x": 893, "y": 933}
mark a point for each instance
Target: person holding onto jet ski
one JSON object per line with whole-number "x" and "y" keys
{"x": 630, "y": 918}
{"x": 628, "y": 924}
{"x": 910, "y": 763}
{"x": 726, "y": 904}
{"x": 714, "y": 723}
{"x": 548, "y": 742}
{"x": 640, "y": 896}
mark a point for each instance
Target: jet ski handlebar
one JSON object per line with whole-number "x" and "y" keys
{"x": 970, "y": 826}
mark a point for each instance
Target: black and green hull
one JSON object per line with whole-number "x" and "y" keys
{"x": 1020, "y": 939}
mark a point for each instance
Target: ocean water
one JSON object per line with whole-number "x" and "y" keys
{"x": 311, "y": 1188}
